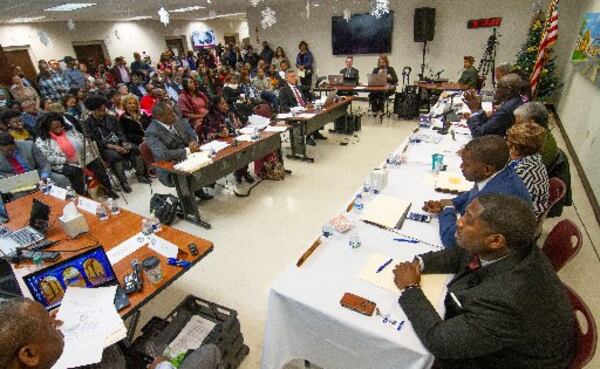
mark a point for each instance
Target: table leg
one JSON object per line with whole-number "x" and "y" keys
{"x": 298, "y": 142}
{"x": 187, "y": 199}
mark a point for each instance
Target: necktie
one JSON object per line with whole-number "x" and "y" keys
{"x": 473, "y": 193}
{"x": 474, "y": 263}
{"x": 298, "y": 96}
{"x": 17, "y": 166}
{"x": 347, "y": 72}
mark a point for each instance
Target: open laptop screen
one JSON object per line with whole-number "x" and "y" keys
{"x": 89, "y": 269}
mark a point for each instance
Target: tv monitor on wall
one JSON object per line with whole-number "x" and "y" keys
{"x": 204, "y": 38}
{"x": 362, "y": 34}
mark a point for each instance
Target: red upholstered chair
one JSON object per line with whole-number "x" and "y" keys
{"x": 562, "y": 244}
{"x": 147, "y": 153}
{"x": 585, "y": 336}
{"x": 557, "y": 193}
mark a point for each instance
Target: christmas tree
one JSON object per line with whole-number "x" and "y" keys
{"x": 527, "y": 57}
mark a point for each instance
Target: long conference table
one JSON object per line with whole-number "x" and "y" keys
{"x": 305, "y": 319}
{"x": 108, "y": 233}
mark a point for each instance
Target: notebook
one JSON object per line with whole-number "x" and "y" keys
{"x": 452, "y": 182}
{"x": 386, "y": 211}
{"x": 21, "y": 182}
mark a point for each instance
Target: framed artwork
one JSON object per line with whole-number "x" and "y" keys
{"x": 586, "y": 56}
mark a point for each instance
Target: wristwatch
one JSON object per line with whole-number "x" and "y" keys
{"x": 414, "y": 285}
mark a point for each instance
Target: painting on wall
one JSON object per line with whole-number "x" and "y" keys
{"x": 586, "y": 57}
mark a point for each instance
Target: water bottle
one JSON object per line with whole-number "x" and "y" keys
{"x": 49, "y": 184}
{"x": 43, "y": 187}
{"x": 354, "y": 240}
{"x": 327, "y": 230}
{"x": 391, "y": 159}
{"x": 101, "y": 212}
{"x": 367, "y": 188}
{"x": 71, "y": 194}
{"x": 155, "y": 225}
{"x": 113, "y": 207}
{"x": 358, "y": 204}
{"x": 146, "y": 228}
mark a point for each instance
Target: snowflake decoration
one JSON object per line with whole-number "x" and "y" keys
{"x": 43, "y": 36}
{"x": 347, "y": 15}
{"x": 255, "y": 3}
{"x": 71, "y": 25}
{"x": 380, "y": 7}
{"x": 268, "y": 18}
{"x": 163, "y": 14}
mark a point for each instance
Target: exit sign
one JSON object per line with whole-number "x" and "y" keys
{"x": 484, "y": 23}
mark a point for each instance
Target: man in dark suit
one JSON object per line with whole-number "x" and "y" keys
{"x": 171, "y": 140}
{"x": 120, "y": 72}
{"x": 507, "y": 98}
{"x": 137, "y": 85}
{"x": 505, "y": 306}
{"x": 484, "y": 161}
{"x": 291, "y": 97}
{"x": 350, "y": 73}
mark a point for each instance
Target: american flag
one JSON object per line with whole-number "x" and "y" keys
{"x": 548, "y": 39}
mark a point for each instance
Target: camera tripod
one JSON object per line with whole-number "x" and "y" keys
{"x": 488, "y": 60}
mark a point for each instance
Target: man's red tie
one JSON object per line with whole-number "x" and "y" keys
{"x": 474, "y": 263}
{"x": 298, "y": 96}
{"x": 17, "y": 167}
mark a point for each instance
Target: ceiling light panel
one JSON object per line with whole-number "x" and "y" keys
{"x": 26, "y": 19}
{"x": 69, "y": 7}
{"x": 188, "y": 9}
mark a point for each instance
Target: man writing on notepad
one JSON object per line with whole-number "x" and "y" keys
{"x": 484, "y": 161}
{"x": 505, "y": 306}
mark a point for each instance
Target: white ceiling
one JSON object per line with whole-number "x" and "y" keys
{"x": 116, "y": 9}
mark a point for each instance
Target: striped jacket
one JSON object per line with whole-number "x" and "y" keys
{"x": 532, "y": 171}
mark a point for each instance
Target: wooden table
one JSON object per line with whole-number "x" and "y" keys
{"x": 444, "y": 86}
{"x": 302, "y": 127}
{"x": 109, "y": 233}
{"x": 226, "y": 161}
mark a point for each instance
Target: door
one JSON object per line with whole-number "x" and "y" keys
{"x": 22, "y": 59}
{"x": 85, "y": 53}
{"x": 176, "y": 45}
{"x": 230, "y": 39}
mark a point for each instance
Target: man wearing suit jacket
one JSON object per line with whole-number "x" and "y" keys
{"x": 18, "y": 157}
{"x": 508, "y": 98}
{"x": 505, "y": 306}
{"x": 350, "y": 73}
{"x": 120, "y": 72}
{"x": 171, "y": 140}
{"x": 484, "y": 161}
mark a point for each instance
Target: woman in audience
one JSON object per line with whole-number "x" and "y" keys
{"x": 62, "y": 147}
{"x": 279, "y": 57}
{"x": 71, "y": 105}
{"x": 12, "y": 120}
{"x": 103, "y": 74}
{"x": 133, "y": 121}
{"x": 251, "y": 93}
{"x": 231, "y": 89}
{"x": 261, "y": 82}
{"x": 222, "y": 123}
{"x": 304, "y": 62}
{"x": 114, "y": 106}
{"x": 536, "y": 112}
{"x": 192, "y": 103}
{"x": 525, "y": 141}
{"x": 377, "y": 99}
{"x": 21, "y": 92}
{"x": 83, "y": 68}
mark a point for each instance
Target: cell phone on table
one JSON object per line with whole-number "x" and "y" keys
{"x": 358, "y": 304}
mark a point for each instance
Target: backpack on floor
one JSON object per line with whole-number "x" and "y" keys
{"x": 164, "y": 207}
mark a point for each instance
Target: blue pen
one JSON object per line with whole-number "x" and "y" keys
{"x": 384, "y": 265}
{"x": 400, "y": 325}
{"x": 406, "y": 240}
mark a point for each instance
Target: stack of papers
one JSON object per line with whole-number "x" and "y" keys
{"x": 452, "y": 182}
{"x": 285, "y": 115}
{"x": 386, "y": 211}
{"x": 214, "y": 146}
{"x": 192, "y": 335}
{"x": 276, "y": 129}
{"x": 258, "y": 121}
{"x": 306, "y": 115}
{"x": 244, "y": 138}
{"x": 195, "y": 161}
{"x": 90, "y": 323}
{"x": 131, "y": 245}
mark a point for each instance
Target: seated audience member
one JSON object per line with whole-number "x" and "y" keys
{"x": 350, "y": 73}
{"x": 507, "y": 98}
{"x": 31, "y": 339}
{"x": 171, "y": 140}
{"x": 470, "y": 75}
{"x": 279, "y": 57}
{"x": 72, "y": 109}
{"x": 83, "y": 68}
{"x": 192, "y": 103}
{"x": 251, "y": 94}
{"x": 29, "y": 114}
{"x": 251, "y": 58}
{"x": 290, "y": 97}
{"x": 377, "y": 99}
{"x": 120, "y": 71}
{"x": 136, "y": 86}
{"x": 505, "y": 306}
{"x": 51, "y": 84}
{"x": 172, "y": 88}
{"x": 261, "y": 82}
{"x": 536, "y": 112}
{"x": 114, "y": 148}
{"x": 154, "y": 95}
{"x": 73, "y": 76}
{"x": 18, "y": 71}
{"x": 284, "y": 66}
{"x": 266, "y": 53}
{"x": 524, "y": 142}
{"x": 502, "y": 69}
{"x": 12, "y": 119}
{"x": 231, "y": 89}
{"x": 114, "y": 103}
{"x": 139, "y": 66}
{"x": 222, "y": 123}
{"x": 104, "y": 75}
{"x": 133, "y": 121}
{"x": 61, "y": 147}
{"x": 69, "y": 121}
{"x": 22, "y": 92}
{"x": 484, "y": 161}
{"x": 18, "y": 157}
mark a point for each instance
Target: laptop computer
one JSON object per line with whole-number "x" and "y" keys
{"x": 89, "y": 269}
{"x": 21, "y": 182}
{"x": 29, "y": 235}
{"x": 376, "y": 80}
{"x": 335, "y": 79}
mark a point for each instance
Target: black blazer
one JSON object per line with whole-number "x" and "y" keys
{"x": 514, "y": 314}
{"x": 287, "y": 99}
{"x": 350, "y": 76}
{"x": 393, "y": 77}
{"x": 134, "y": 128}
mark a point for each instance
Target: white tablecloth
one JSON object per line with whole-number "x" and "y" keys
{"x": 305, "y": 319}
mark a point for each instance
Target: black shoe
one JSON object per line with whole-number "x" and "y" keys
{"x": 318, "y": 136}
{"x": 125, "y": 187}
{"x": 112, "y": 194}
{"x": 310, "y": 141}
{"x": 203, "y": 195}
{"x": 144, "y": 179}
{"x": 248, "y": 177}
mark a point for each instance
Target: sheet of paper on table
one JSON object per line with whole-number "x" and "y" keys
{"x": 258, "y": 121}
{"x": 192, "y": 335}
{"x": 58, "y": 192}
{"x": 90, "y": 323}
{"x": 244, "y": 138}
{"x": 431, "y": 284}
{"x": 276, "y": 129}
{"x": 285, "y": 115}
{"x": 215, "y": 146}
{"x": 126, "y": 248}
{"x": 452, "y": 182}
{"x": 386, "y": 211}
{"x": 162, "y": 246}
{"x": 306, "y": 115}
{"x": 87, "y": 205}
